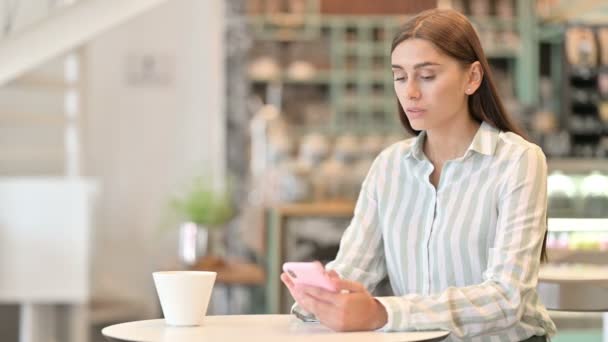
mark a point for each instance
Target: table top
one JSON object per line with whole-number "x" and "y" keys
{"x": 267, "y": 328}
{"x": 574, "y": 274}
{"x": 574, "y": 287}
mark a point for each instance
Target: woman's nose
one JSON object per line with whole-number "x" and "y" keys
{"x": 411, "y": 90}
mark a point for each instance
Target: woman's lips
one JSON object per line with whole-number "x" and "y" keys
{"x": 414, "y": 112}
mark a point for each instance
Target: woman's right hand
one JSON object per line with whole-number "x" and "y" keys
{"x": 297, "y": 294}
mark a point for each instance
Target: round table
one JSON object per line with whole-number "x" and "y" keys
{"x": 267, "y": 328}
{"x": 576, "y": 289}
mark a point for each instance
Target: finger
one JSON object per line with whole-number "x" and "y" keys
{"x": 334, "y": 278}
{"x": 307, "y": 303}
{"x": 295, "y": 293}
{"x": 322, "y": 310}
{"x": 323, "y": 295}
{"x": 326, "y": 314}
{"x": 290, "y": 286}
{"x": 333, "y": 274}
{"x": 300, "y": 299}
{"x": 348, "y": 285}
{"x": 287, "y": 280}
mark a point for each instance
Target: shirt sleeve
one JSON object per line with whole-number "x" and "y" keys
{"x": 360, "y": 257}
{"x": 512, "y": 271}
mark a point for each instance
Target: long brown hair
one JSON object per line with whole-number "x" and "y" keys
{"x": 453, "y": 34}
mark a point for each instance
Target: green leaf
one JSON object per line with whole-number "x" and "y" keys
{"x": 203, "y": 204}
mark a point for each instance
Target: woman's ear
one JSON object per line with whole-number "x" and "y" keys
{"x": 475, "y": 76}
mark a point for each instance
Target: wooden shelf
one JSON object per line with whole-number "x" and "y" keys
{"x": 232, "y": 272}
{"x": 331, "y": 209}
{"x": 277, "y": 217}
{"x": 368, "y": 37}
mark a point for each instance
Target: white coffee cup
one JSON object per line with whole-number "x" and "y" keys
{"x": 184, "y": 295}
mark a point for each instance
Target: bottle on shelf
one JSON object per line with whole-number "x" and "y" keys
{"x": 581, "y": 49}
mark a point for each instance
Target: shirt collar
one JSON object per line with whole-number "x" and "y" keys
{"x": 484, "y": 142}
{"x": 416, "y": 149}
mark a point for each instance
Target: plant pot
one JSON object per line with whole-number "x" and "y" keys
{"x": 197, "y": 241}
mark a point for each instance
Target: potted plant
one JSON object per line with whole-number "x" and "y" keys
{"x": 202, "y": 211}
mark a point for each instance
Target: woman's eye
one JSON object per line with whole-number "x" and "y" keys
{"x": 397, "y": 78}
{"x": 427, "y": 78}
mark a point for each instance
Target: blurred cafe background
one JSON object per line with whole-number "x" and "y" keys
{"x": 233, "y": 135}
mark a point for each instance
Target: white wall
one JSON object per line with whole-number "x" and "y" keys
{"x": 141, "y": 141}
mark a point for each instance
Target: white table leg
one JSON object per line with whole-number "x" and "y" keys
{"x": 72, "y": 323}
{"x": 78, "y": 323}
{"x": 37, "y": 323}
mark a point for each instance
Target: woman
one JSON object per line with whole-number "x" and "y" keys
{"x": 455, "y": 217}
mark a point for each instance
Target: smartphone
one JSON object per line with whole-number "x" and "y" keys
{"x": 309, "y": 273}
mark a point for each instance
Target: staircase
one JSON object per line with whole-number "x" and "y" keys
{"x": 60, "y": 29}
{"x": 41, "y": 146}
{"x": 40, "y": 79}
{"x": 40, "y": 120}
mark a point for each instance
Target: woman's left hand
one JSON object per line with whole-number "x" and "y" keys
{"x": 356, "y": 310}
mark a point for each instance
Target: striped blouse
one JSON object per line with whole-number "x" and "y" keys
{"x": 463, "y": 257}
